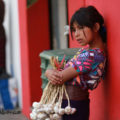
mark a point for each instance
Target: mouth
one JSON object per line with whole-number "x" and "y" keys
{"x": 79, "y": 40}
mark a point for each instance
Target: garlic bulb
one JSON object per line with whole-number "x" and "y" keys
{"x": 36, "y": 105}
{"x": 48, "y": 110}
{"x": 56, "y": 117}
{"x": 61, "y": 111}
{"x": 41, "y": 116}
{"x": 47, "y": 119}
{"x": 68, "y": 110}
{"x": 34, "y": 110}
{"x": 56, "y": 109}
{"x": 33, "y": 115}
{"x": 51, "y": 116}
{"x": 57, "y": 104}
{"x": 73, "y": 110}
{"x": 40, "y": 110}
{"x": 50, "y": 105}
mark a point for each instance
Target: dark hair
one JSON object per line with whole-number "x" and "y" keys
{"x": 88, "y": 16}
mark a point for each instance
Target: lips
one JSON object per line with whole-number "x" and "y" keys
{"x": 79, "y": 40}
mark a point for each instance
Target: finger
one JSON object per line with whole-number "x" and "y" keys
{"x": 53, "y": 82}
{"x": 99, "y": 72}
{"x": 56, "y": 78}
{"x": 95, "y": 77}
{"x": 57, "y": 74}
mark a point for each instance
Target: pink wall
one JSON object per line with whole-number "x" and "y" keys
{"x": 34, "y": 38}
{"x": 38, "y": 40}
{"x": 25, "y": 73}
{"x": 110, "y": 11}
{"x": 105, "y": 100}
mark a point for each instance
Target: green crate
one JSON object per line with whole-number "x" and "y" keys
{"x": 46, "y": 56}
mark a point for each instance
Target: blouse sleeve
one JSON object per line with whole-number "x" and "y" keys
{"x": 87, "y": 61}
{"x": 83, "y": 62}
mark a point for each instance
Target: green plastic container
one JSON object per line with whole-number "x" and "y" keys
{"x": 46, "y": 56}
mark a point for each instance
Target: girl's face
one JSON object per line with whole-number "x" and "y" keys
{"x": 83, "y": 35}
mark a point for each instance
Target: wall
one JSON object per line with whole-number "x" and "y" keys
{"x": 38, "y": 40}
{"x": 105, "y": 100}
{"x": 24, "y": 58}
{"x": 109, "y": 10}
{"x": 99, "y": 105}
{"x": 34, "y": 38}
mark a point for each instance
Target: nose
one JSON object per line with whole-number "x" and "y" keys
{"x": 77, "y": 33}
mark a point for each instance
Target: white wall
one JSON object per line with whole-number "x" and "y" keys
{"x": 13, "y": 44}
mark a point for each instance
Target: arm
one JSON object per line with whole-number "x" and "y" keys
{"x": 59, "y": 77}
{"x": 68, "y": 74}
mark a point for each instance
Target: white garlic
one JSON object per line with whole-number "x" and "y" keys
{"x": 40, "y": 110}
{"x": 56, "y": 109}
{"x": 36, "y": 105}
{"x": 47, "y": 119}
{"x": 34, "y": 110}
{"x": 61, "y": 111}
{"x": 50, "y": 105}
{"x": 73, "y": 110}
{"x": 57, "y": 104}
{"x": 48, "y": 110}
{"x": 56, "y": 116}
{"x": 68, "y": 110}
{"x": 41, "y": 116}
{"x": 33, "y": 115}
{"x": 51, "y": 116}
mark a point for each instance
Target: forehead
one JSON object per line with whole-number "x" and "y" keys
{"x": 75, "y": 24}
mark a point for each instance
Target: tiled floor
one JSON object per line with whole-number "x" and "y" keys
{"x": 12, "y": 117}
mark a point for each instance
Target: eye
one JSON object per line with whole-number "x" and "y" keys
{"x": 80, "y": 27}
{"x": 73, "y": 30}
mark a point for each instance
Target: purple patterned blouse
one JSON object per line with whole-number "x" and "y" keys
{"x": 90, "y": 64}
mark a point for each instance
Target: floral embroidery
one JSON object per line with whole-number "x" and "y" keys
{"x": 90, "y": 64}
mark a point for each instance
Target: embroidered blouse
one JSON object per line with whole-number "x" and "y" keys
{"x": 90, "y": 64}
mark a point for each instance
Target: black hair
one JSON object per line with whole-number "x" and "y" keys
{"x": 88, "y": 16}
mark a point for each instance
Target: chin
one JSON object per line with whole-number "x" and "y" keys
{"x": 83, "y": 44}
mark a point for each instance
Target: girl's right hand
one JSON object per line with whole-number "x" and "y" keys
{"x": 53, "y": 76}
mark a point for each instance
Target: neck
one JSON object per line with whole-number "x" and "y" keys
{"x": 97, "y": 43}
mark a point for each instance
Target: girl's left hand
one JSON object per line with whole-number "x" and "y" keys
{"x": 54, "y": 76}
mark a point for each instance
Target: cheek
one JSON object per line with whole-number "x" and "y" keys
{"x": 89, "y": 35}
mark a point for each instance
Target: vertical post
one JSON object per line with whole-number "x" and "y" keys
{"x": 24, "y": 57}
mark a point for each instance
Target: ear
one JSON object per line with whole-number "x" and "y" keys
{"x": 96, "y": 27}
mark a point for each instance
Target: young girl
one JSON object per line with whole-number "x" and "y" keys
{"x": 85, "y": 70}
